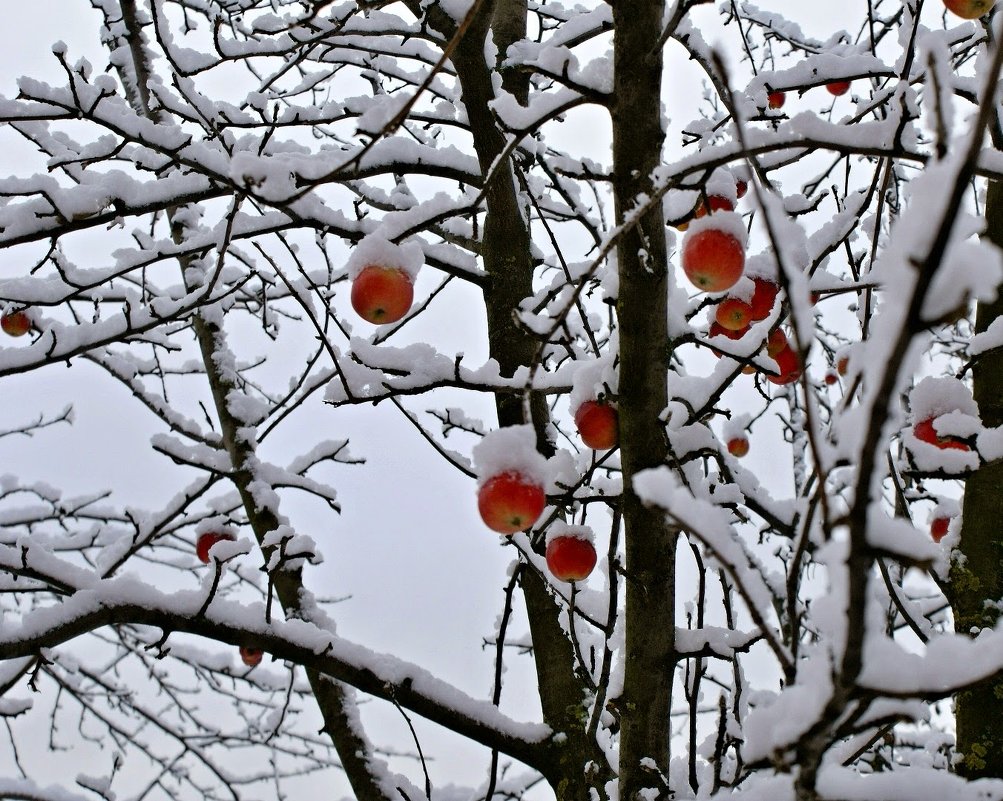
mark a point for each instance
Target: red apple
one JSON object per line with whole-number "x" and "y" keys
{"x": 763, "y": 298}
{"x": 776, "y": 99}
{"x": 509, "y": 502}
{"x": 15, "y": 324}
{"x": 842, "y": 364}
{"x": 733, "y": 314}
{"x": 382, "y": 294}
{"x": 837, "y": 88}
{"x": 830, "y": 378}
{"x": 251, "y": 656}
{"x": 970, "y": 9}
{"x": 925, "y": 432}
{"x": 713, "y": 259}
{"x": 570, "y": 558}
{"x": 938, "y": 528}
{"x": 741, "y": 187}
{"x": 207, "y": 540}
{"x": 716, "y": 202}
{"x": 776, "y": 343}
{"x": 789, "y": 367}
{"x": 597, "y": 424}
{"x": 738, "y": 446}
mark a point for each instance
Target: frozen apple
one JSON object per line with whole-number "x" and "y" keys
{"x": 510, "y": 502}
{"x": 251, "y": 656}
{"x": 763, "y": 298}
{"x": 830, "y": 378}
{"x": 788, "y": 367}
{"x": 939, "y": 527}
{"x": 776, "y": 343}
{"x": 207, "y": 540}
{"x": 15, "y": 324}
{"x": 776, "y": 99}
{"x": 382, "y": 294}
{"x": 837, "y": 88}
{"x": 570, "y": 558}
{"x": 597, "y": 423}
{"x": 738, "y": 446}
{"x": 741, "y": 187}
{"x": 925, "y": 432}
{"x": 716, "y": 203}
{"x": 733, "y": 314}
{"x": 970, "y": 9}
{"x": 713, "y": 259}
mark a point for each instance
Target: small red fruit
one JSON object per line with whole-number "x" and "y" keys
{"x": 713, "y": 259}
{"x": 207, "y": 540}
{"x": 733, "y": 314}
{"x": 738, "y": 446}
{"x": 15, "y": 324}
{"x": 970, "y": 9}
{"x": 842, "y": 364}
{"x": 830, "y": 378}
{"x": 382, "y": 294}
{"x": 509, "y": 502}
{"x": 925, "y": 432}
{"x": 838, "y": 88}
{"x": 763, "y": 298}
{"x": 776, "y": 99}
{"x": 741, "y": 187}
{"x": 251, "y": 656}
{"x": 938, "y": 528}
{"x": 789, "y": 367}
{"x": 570, "y": 558}
{"x": 716, "y": 202}
{"x": 776, "y": 343}
{"x": 597, "y": 424}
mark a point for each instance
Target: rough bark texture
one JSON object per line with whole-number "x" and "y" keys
{"x": 505, "y": 249}
{"x": 979, "y": 722}
{"x": 641, "y": 312}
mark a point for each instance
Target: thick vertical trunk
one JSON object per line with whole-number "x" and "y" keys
{"x": 505, "y": 249}
{"x": 641, "y": 315}
{"x": 980, "y": 576}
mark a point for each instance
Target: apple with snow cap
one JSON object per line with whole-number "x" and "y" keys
{"x": 571, "y": 556}
{"x": 925, "y": 431}
{"x": 939, "y": 527}
{"x": 511, "y": 477}
{"x": 383, "y": 275}
{"x": 382, "y": 294}
{"x": 250, "y": 655}
{"x": 713, "y": 254}
{"x": 970, "y": 9}
{"x": 207, "y": 540}
{"x": 15, "y": 324}
{"x": 738, "y": 446}
{"x": 776, "y": 99}
{"x": 944, "y": 413}
{"x": 838, "y": 88}
{"x": 598, "y": 423}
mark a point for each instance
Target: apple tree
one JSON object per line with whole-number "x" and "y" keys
{"x": 716, "y": 357}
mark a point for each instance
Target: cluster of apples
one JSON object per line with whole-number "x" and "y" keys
{"x": 734, "y": 316}
{"x": 511, "y": 501}
{"x": 249, "y": 655}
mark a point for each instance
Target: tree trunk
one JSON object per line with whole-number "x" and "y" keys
{"x": 641, "y": 314}
{"x": 980, "y": 576}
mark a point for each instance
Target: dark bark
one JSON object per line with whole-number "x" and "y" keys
{"x": 641, "y": 314}
{"x": 505, "y": 248}
{"x": 980, "y": 577}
